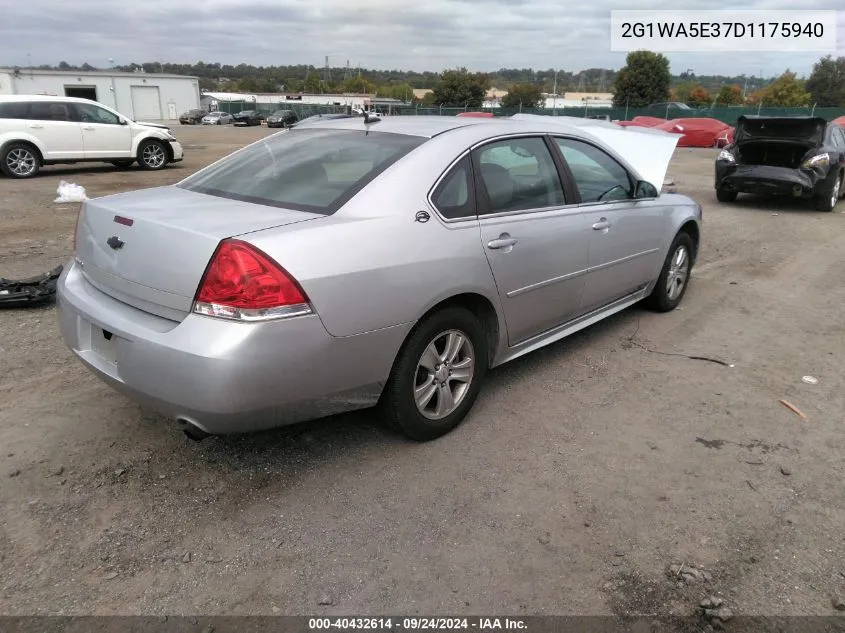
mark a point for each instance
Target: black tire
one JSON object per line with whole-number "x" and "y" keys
{"x": 398, "y": 405}
{"x": 20, "y": 160}
{"x": 661, "y": 299}
{"x": 152, "y": 155}
{"x": 122, "y": 164}
{"x": 827, "y": 201}
{"x": 723, "y": 195}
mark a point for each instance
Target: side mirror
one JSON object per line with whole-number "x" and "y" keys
{"x": 645, "y": 190}
{"x": 122, "y": 120}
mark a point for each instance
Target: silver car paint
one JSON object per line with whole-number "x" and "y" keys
{"x": 371, "y": 271}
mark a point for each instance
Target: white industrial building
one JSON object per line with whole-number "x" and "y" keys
{"x": 139, "y": 96}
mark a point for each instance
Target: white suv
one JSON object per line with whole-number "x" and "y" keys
{"x": 40, "y": 130}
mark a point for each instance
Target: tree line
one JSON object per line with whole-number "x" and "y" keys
{"x": 644, "y": 79}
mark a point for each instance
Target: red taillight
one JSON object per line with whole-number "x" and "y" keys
{"x": 244, "y": 284}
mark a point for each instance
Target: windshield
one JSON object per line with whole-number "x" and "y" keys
{"x": 308, "y": 170}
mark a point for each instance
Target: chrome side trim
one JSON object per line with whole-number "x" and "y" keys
{"x": 547, "y": 282}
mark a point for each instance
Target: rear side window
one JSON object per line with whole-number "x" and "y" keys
{"x": 14, "y": 110}
{"x": 307, "y": 170}
{"x": 454, "y": 197}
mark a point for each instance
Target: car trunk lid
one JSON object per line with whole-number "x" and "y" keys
{"x": 808, "y": 131}
{"x": 150, "y": 248}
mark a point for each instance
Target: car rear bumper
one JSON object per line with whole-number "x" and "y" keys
{"x": 767, "y": 180}
{"x": 224, "y": 377}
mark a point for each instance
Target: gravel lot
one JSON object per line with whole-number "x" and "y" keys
{"x": 584, "y": 472}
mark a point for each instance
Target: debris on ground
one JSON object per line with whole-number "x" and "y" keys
{"x": 70, "y": 192}
{"x": 810, "y": 380}
{"x": 29, "y": 292}
{"x": 325, "y": 601}
{"x": 785, "y": 471}
{"x": 793, "y": 408}
{"x": 690, "y": 574}
{"x": 839, "y": 604}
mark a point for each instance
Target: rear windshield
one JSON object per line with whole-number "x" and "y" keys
{"x": 309, "y": 170}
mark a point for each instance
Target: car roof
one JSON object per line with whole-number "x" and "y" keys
{"x": 429, "y": 126}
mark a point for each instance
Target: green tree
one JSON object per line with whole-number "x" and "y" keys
{"x": 826, "y": 84}
{"x": 429, "y": 99}
{"x": 729, "y": 95}
{"x": 312, "y": 84}
{"x": 359, "y": 85}
{"x": 460, "y": 88}
{"x": 785, "y": 91}
{"x": 643, "y": 80}
{"x": 523, "y": 95}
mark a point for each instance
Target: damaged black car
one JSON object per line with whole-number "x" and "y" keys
{"x": 801, "y": 157}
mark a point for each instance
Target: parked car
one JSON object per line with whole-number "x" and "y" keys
{"x": 803, "y": 157}
{"x": 217, "y": 118}
{"x": 282, "y": 118}
{"x": 248, "y": 118}
{"x": 323, "y": 117}
{"x": 192, "y": 117}
{"x": 456, "y": 245}
{"x": 38, "y": 130}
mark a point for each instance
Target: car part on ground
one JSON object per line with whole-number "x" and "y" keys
{"x": 31, "y": 291}
{"x": 799, "y": 157}
{"x": 338, "y": 266}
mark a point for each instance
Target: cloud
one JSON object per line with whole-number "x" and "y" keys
{"x": 423, "y": 35}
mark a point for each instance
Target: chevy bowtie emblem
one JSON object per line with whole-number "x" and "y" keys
{"x": 115, "y": 242}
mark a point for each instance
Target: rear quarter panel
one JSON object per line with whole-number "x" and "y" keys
{"x": 372, "y": 265}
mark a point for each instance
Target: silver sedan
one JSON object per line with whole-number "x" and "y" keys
{"x": 217, "y": 118}
{"x": 350, "y": 264}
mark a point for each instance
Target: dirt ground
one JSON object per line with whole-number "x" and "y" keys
{"x": 584, "y": 471}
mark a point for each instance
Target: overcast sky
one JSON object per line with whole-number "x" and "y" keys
{"x": 399, "y": 34}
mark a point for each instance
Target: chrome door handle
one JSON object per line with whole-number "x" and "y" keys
{"x": 88, "y": 127}
{"x": 601, "y": 225}
{"x": 35, "y": 126}
{"x": 504, "y": 241}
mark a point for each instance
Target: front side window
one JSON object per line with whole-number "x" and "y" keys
{"x": 455, "y": 196}
{"x": 90, "y": 113}
{"x": 308, "y": 170}
{"x": 518, "y": 174}
{"x": 597, "y": 175}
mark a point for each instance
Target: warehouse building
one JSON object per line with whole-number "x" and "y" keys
{"x": 139, "y": 96}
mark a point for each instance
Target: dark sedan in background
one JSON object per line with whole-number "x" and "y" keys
{"x": 282, "y": 118}
{"x": 248, "y": 117}
{"x": 192, "y": 117}
{"x": 802, "y": 157}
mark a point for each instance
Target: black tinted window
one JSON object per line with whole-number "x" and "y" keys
{"x": 455, "y": 195}
{"x": 309, "y": 170}
{"x": 597, "y": 175}
{"x": 14, "y": 110}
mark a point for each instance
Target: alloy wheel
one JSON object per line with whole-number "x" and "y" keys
{"x": 21, "y": 161}
{"x": 444, "y": 374}
{"x": 834, "y": 197}
{"x": 153, "y": 155}
{"x": 676, "y": 278}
